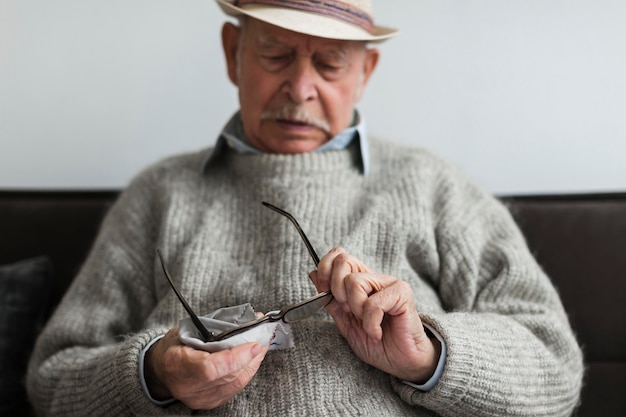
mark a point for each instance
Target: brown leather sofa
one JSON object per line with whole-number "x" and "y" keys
{"x": 580, "y": 240}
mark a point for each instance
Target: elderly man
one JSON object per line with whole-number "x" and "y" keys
{"x": 438, "y": 307}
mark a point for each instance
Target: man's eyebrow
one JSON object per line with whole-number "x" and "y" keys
{"x": 269, "y": 41}
{"x": 334, "y": 51}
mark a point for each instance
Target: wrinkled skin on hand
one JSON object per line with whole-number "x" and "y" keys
{"x": 374, "y": 312}
{"x": 377, "y": 316}
{"x": 199, "y": 379}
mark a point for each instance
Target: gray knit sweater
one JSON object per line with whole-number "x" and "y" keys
{"x": 510, "y": 348}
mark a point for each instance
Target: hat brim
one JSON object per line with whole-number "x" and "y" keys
{"x": 308, "y": 23}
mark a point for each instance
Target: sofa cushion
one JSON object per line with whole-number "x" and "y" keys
{"x": 24, "y": 294}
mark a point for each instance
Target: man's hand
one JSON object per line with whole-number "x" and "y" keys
{"x": 199, "y": 379}
{"x": 376, "y": 314}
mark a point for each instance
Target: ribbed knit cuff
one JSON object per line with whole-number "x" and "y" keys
{"x": 127, "y": 376}
{"x": 486, "y": 354}
{"x": 453, "y": 383}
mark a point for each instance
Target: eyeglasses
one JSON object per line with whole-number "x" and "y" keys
{"x": 289, "y": 314}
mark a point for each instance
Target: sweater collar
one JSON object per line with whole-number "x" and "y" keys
{"x": 232, "y": 137}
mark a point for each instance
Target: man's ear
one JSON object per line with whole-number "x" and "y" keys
{"x": 369, "y": 65}
{"x": 230, "y": 44}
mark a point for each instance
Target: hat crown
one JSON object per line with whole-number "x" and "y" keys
{"x": 335, "y": 19}
{"x": 350, "y": 11}
{"x": 365, "y": 5}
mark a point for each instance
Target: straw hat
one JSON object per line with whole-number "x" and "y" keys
{"x": 334, "y": 19}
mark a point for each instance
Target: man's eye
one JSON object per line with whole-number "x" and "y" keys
{"x": 274, "y": 62}
{"x": 329, "y": 68}
{"x": 276, "y": 58}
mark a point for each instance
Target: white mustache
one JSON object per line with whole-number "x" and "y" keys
{"x": 295, "y": 113}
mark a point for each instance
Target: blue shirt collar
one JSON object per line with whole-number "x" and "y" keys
{"x": 232, "y": 137}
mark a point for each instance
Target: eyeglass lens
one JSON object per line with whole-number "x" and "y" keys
{"x": 307, "y": 308}
{"x": 290, "y": 314}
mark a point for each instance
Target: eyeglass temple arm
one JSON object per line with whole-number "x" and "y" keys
{"x": 194, "y": 318}
{"x": 208, "y": 336}
{"x": 308, "y": 245}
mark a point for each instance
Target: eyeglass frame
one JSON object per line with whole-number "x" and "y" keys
{"x": 326, "y": 297}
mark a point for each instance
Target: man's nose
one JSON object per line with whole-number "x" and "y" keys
{"x": 301, "y": 83}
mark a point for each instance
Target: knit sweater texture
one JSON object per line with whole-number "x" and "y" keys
{"x": 510, "y": 348}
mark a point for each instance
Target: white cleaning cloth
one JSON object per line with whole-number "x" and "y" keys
{"x": 277, "y": 334}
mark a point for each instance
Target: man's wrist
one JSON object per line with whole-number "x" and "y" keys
{"x": 440, "y": 346}
{"x": 152, "y": 387}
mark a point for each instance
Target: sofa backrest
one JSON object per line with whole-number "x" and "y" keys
{"x": 579, "y": 240}
{"x": 57, "y": 224}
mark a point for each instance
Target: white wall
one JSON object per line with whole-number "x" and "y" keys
{"x": 529, "y": 96}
